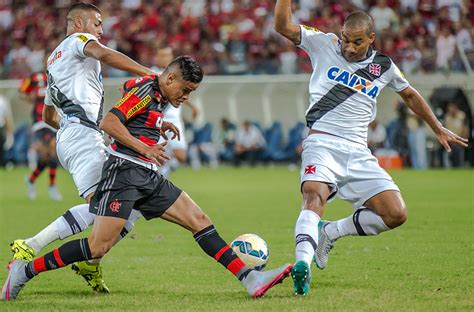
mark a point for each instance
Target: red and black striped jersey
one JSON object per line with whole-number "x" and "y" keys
{"x": 141, "y": 111}
{"x": 35, "y": 85}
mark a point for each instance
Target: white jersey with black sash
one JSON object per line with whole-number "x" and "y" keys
{"x": 343, "y": 94}
{"x": 75, "y": 82}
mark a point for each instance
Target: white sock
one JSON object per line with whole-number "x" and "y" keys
{"x": 306, "y": 235}
{"x": 73, "y": 221}
{"x": 363, "y": 222}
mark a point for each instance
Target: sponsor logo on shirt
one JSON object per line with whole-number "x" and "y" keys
{"x": 353, "y": 81}
{"x": 138, "y": 106}
{"x": 129, "y": 94}
{"x": 82, "y": 38}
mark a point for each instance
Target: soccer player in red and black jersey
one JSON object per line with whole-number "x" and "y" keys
{"x": 130, "y": 180}
{"x": 44, "y": 136}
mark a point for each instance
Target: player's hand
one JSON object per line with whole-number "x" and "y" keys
{"x": 156, "y": 153}
{"x": 447, "y": 137}
{"x": 168, "y": 126}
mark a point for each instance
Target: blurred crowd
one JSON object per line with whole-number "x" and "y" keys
{"x": 237, "y": 36}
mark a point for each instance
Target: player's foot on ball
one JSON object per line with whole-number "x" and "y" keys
{"x": 92, "y": 273}
{"x": 31, "y": 189}
{"x": 54, "y": 193}
{"x": 21, "y": 251}
{"x": 259, "y": 282}
{"x": 301, "y": 275}
{"x": 325, "y": 245}
{"x": 16, "y": 280}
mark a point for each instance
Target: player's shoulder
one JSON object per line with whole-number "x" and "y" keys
{"x": 140, "y": 83}
{"x": 384, "y": 61}
{"x": 84, "y": 37}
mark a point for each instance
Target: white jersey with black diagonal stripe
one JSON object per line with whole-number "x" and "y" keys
{"x": 343, "y": 94}
{"x": 75, "y": 81}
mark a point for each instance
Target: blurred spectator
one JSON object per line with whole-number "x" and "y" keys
{"x": 445, "y": 49}
{"x": 417, "y": 142}
{"x": 384, "y": 17}
{"x": 6, "y": 128}
{"x": 226, "y": 140}
{"x": 456, "y": 120}
{"x": 249, "y": 142}
{"x": 397, "y": 131}
{"x": 376, "y": 136}
{"x": 411, "y": 58}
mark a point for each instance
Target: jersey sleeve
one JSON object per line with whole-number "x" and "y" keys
{"x": 397, "y": 80}
{"x": 313, "y": 40}
{"x": 79, "y": 41}
{"x": 130, "y": 105}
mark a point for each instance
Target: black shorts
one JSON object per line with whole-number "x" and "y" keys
{"x": 126, "y": 185}
{"x": 44, "y": 136}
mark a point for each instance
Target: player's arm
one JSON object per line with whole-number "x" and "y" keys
{"x": 114, "y": 58}
{"x": 114, "y": 127}
{"x": 51, "y": 116}
{"x": 283, "y": 23}
{"x": 418, "y": 105}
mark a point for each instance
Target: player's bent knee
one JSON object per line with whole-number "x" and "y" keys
{"x": 400, "y": 215}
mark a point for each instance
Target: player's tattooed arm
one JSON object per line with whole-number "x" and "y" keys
{"x": 114, "y": 58}
{"x": 283, "y": 23}
{"x": 418, "y": 105}
{"x": 51, "y": 117}
{"x": 112, "y": 125}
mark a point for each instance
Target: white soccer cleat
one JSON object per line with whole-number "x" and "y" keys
{"x": 259, "y": 282}
{"x": 325, "y": 245}
{"x": 54, "y": 193}
{"x": 16, "y": 280}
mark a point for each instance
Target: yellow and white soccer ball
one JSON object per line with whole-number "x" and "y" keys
{"x": 252, "y": 249}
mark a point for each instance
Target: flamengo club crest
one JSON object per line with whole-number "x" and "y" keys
{"x": 310, "y": 169}
{"x": 374, "y": 69}
{"x": 115, "y": 206}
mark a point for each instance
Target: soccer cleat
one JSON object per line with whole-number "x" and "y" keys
{"x": 16, "y": 280}
{"x": 259, "y": 282}
{"x": 21, "y": 251}
{"x": 325, "y": 245}
{"x": 31, "y": 189}
{"x": 92, "y": 273}
{"x": 54, "y": 193}
{"x": 301, "y": 277}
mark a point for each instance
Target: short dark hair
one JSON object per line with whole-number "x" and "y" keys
{"x": 360, "y": 19}
{"x": 83, "y": 6}
{"x": 189, "y": 68}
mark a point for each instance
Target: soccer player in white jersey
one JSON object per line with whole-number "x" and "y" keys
{"x": 74, "y": 102}
{"x": 176, "y": 149}
{"x": 348, "y": 75}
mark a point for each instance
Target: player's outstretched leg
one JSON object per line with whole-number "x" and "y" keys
{"x": 185, "y": 212}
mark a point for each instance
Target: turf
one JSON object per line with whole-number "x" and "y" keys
{"x": 426, "y": 265}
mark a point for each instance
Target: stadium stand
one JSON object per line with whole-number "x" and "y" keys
{"x": 236, "y": 37}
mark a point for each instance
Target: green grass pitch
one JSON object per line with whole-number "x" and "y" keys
{"x": 426, "y": 265}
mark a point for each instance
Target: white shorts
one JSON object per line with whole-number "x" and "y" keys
{"x": 81, "y": 151}
{"x": 175, "y": 144}
{"x": 349, "y": 168}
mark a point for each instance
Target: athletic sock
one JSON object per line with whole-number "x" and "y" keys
{"x": 306, "y": 235}
{"x": 213, "y": 245}
{"x": 53, "y": 165}
{"x": 36, "y": 173}
{"x": 70, "y": 252}
{"x": 75, "y": 220}
{"x": 363, "y": 222}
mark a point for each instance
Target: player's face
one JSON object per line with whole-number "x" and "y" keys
{"x": 177, "y": 90}
{"x": 355, "y": 44}
{"x": 93, "y": 24}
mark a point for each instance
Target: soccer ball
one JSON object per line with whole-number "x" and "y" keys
{"x": 252, "y": 249}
